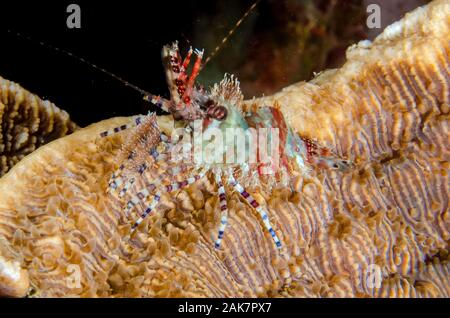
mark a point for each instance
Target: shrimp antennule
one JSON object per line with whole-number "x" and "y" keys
{"x": 223, "y": 208}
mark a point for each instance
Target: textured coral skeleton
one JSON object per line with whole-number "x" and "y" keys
{"x": 26, "y": 123}
{"x": 386, "y": 110}
{"x": 218, "y": 108}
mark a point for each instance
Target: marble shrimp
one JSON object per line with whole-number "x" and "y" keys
{"x": 218, "y": 108}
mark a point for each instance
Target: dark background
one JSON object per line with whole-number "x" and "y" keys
{"x": 281, "y": 42}
{"x": 123, "y": 37}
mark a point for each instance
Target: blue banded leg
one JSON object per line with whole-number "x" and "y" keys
{"x": 159, "y": 102}
{"x": 112, "y": 184}
{"x": 168, "y": 188}
{"x": 143, "y": 194}
{"x": 116, "y": 181}
{"x": 125, "y": 188}
{"x": 130, "y": 182}
{"x": 137, "y": 121}
{"x": 155, "y": 155}
{"x": 223, "y": 209}
{"x": 257, "y": 207}
{"x": 159, "y": 153}
{"x": 148, "y": 210}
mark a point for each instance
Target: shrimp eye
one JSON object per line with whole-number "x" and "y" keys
{"x": 217, "y": 112}
{"x": 209, "y": 103}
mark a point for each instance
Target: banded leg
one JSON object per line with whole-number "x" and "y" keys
{"x": 116, "y": 182}
{"x": 140, "y": 196}
{"x": 144, "y": 193}
{"x": 159, "y": 102}
{"x": 138, "y": 120}
{"x": 257, "y": 207}
{"x": 161, "y": 154}
{"x": 155, "y": 154}
{"x": 130, "y": 182}
{"x": 169, "y": 188}
{"x": 148, "y": 210}
{"x": 223, "y": 209}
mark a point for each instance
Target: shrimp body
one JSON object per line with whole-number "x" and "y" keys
{"x": 215, "y": 138}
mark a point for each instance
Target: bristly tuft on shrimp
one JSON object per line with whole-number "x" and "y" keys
{"x": 142, "y": 138}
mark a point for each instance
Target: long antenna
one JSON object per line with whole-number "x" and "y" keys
{"x": 82, "y": 60}
{"x": 225, "y": 39}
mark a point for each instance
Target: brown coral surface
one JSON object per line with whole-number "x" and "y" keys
{"x": 380, "y": 229}
{"x": 26, "y": 123}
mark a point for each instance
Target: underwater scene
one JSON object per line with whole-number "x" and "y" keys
{"x": 225, "y": 149}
